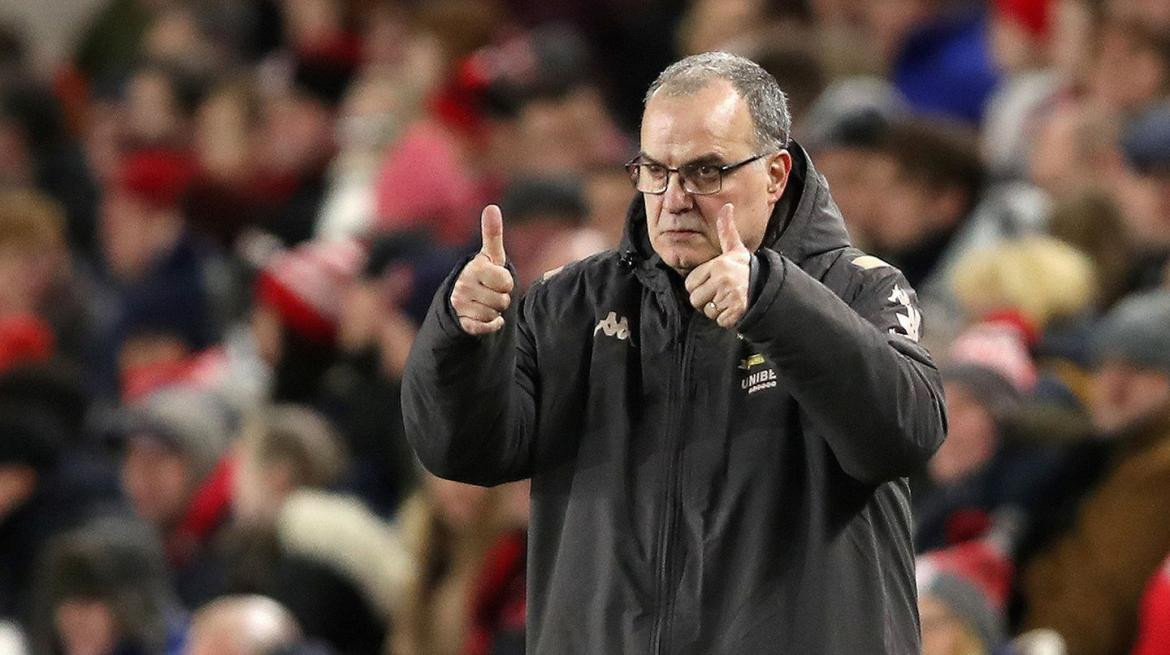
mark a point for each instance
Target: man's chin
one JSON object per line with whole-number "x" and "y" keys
{"x": 685, "y": 262}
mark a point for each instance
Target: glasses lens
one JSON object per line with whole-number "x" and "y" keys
{"x": 702, "y": 179}
{"x": 650, "y": 178}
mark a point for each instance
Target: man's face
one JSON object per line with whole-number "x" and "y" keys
{"x": 711, "y": 126}
{"x": 157, "y": 480}
{"x": 1125, "y": 397}
{"x": 971, "y": 437}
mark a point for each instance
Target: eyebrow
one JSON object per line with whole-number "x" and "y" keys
{"x": 706, "y": 158}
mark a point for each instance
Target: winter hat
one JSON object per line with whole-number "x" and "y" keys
{"x": 973, "y": 580}
{"x": 1146, "y": 140}
{"x": 193, "y": 422}
{"x": 1032, "y": 15}
{"x": 304, "y": 285}
{"x": 992, "y": 359}
{"x": 1137, "y": 331}
{"x": 853, "y": 112}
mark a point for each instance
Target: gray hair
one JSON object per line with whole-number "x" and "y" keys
{"x": 766, "y": 102}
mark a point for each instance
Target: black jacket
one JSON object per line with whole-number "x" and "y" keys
{"x": 695, "y": 490}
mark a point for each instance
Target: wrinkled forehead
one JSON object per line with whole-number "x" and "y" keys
{"x": 711, "y": 120}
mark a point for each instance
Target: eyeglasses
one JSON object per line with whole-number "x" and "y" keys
{"x": 699, "y": 178}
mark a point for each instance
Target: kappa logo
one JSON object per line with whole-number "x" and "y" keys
{"x": 613, "y": 326}
{"x": 911, "y": 321}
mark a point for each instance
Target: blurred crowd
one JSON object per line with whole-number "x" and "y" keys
{"x": 222, "y": 221}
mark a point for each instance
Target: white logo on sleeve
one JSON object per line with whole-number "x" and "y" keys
{"x": 911, "y": 321}
{"x": 612, "y": 326}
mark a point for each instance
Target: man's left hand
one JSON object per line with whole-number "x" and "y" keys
{"x": 719, "y": 287}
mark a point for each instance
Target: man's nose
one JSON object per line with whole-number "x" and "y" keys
{"x": 675, "y": 199}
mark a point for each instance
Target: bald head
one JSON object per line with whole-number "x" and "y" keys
{"x": 242, "y": 625}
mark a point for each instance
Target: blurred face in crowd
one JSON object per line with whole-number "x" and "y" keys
{"x": 710, "y": 126}
{"x": 28, "y": 271}
{"x": 157, "y": 480}
{"x": 85, "y": 627}
{"x": 261, "y": 487}
{"x": 558, "y": 135}
{"x": 152, "y": 112}
{"x": 223, "y": 142}
{"x": 1072, "y": 35}
{"x": 1148, "y": 225}
{"x": 1127, "y": 397}
{"x": 971, "y": 437}
{"x": 912, "y": 211}
{"x": 17, "y": 483}
{"x": 859, "y": 179}
{"x": 1127, "y": 74}
{"x": 16, "y": 165}
{"x": 533, "y": 238}
{"x": 297, "y": 133}
{"x": 607, "y": 192}
{"x": 943, "y": 633}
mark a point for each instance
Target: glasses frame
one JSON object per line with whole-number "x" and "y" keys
{"x": 633, "y": 169}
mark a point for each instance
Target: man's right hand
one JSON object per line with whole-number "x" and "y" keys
{"x": 484, "y": 287}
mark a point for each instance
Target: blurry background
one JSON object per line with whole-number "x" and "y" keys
{"x": 221, "y": 222}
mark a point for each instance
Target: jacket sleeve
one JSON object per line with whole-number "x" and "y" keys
{"x": 468, "y": 402}
{"x": 856, "y": 369}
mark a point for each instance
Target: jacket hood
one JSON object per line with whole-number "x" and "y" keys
{"x": 804, "y": 223}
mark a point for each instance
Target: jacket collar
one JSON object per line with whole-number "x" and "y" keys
{"x": 804, "y": 223}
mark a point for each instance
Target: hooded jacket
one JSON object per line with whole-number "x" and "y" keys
{"x": 696, "y": 489}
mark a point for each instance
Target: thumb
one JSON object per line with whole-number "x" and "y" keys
{"x": 492, "y": 225}
{"x": 728, "y": 234}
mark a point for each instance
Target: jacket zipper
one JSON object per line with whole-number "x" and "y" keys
{"x": 667, "y": 531}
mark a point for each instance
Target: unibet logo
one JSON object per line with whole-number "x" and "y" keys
{"x": 765, "y": 379}
{"x": 612, "y": 326}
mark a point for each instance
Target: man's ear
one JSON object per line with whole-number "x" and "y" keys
{"x": 779, "y": 166}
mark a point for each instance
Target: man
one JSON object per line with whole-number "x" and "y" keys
{"x": 242, "y": 625}
{"x": 1087, "y": 583}
{"x": 717, "y": 418}
{"x": 176, "y": 471}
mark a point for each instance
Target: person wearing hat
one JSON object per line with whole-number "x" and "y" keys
{"x": 1146, "y": 147}
{"x": 177, "y": 475}
{"x": 103, "y": 587}
{"x": 1088, "y": 582}
{"x": 987, "y": 373}
{"x": 295, "y": 317}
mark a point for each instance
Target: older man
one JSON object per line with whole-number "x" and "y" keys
{"x": 717, "y": 417}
